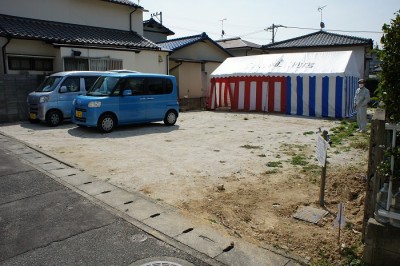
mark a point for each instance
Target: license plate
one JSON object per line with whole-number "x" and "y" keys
{"x": 32, "y": 115}
{"x": 78, "y": 114}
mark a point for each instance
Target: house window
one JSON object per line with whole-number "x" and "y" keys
{"x": 80, "y": 64}
{"x": 93, "y": 64}
{"x": 30, "y": 63}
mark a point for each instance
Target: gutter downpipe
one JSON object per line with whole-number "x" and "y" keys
{"x": 3, "y": 51}
{"x": 168, "y": 64}
{"x": 130, "y": 18}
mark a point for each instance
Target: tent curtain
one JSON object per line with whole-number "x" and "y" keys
{"x": 316, "y": 96}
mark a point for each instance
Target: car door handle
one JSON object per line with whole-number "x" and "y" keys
{"x": 142, "y": 99}
{"x": 150, "y": 98}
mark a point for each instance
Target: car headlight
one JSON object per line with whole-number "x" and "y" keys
{"x": 73, "y": 101}
{"x": 44, "y": 99}
{"x": 94, "y": 104}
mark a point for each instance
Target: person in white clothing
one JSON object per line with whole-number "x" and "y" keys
{"x": 361, "y": 100}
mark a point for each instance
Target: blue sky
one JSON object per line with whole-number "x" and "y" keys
{"x": 249, "y": 19}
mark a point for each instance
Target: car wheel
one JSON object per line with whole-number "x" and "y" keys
{"x": 53, "y": 118}
{"x": 106, "y": 123}
{"x": 170, "y": 118}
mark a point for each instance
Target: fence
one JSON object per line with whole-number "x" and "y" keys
{"x": 13, "y": 92}
{"x": 381, "y": 231}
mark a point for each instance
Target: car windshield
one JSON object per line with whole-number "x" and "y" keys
{"x": 104, "y": 86}
{"x": 49, "y": 84}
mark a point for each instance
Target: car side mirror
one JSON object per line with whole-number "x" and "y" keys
{"x": 127, "y": 92}
{"x": 63, "y": 89}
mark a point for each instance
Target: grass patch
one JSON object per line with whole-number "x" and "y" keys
{"x": 274, "y": 164}
{"x": 270, "y": 172}
{"x": 308, "y": 133}
{"x": 299, "y": 160}
{"x": 344, "y": 139}
{"x": 262, "y": 155}
{"x": 313, "y": 169}
{"x": 362, "y": 145}
{"x": 344, "y": 131}
{"x": 249, "y": 147}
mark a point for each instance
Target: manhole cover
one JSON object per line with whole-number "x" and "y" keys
{"x": 139, "y": 238}
{"x": 162, "y": 261}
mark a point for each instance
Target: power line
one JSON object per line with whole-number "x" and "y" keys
{"x": 354, "y": 31}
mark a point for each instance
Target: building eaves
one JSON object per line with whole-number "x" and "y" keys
{"x": 123, "y": 2}
{"x": 319, "y": 39}
{"x": 71, "y": 34}
{"x": 179, "y": 43}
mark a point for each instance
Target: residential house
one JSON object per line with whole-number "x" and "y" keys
{"x": 323, "y": 41}
{"x": 155, "y": 31}
{"x": 41, "y": 36}
{"x": 192, "y": 59}
{"x": 238, "y": 47}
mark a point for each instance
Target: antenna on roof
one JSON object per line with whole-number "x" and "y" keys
{"x": 156, "y": 15}
{"x": 321, "y": 24}
{"x": 222, "y": 32}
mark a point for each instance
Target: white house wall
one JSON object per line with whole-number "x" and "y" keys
{"x": 84, "y": 12}
{"x": 200, "y": 51}
{"x": 190, "y": 80}
{"x": 145, "y": 61}
{"x": 32, "y": 48}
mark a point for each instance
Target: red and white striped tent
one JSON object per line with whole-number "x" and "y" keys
{"x": 309, "y": 84}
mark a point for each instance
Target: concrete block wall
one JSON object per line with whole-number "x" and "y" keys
{"x": 382, "y": 244}
{"x": 13, "y": 92}
{"x": 188, "y": 104}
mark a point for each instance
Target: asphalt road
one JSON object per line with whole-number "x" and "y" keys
{"x": 54, "y": 214}
{"x": 43, "y": 222}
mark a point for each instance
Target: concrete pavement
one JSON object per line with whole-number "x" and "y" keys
{"x": 54, "y": 214}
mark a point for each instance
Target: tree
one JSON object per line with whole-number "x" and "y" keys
{"x": 389, "y": 86}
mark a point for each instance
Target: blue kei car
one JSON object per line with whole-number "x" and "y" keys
{"x": 127, "y": 98}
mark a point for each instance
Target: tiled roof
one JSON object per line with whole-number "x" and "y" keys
{"x": 237, "y": 43}
{"x": 319, "y": 39}
{"x": 176, "y": 44}
{"x": 71, "y": 34}
{"x": 152, "y": 23}
{"x": 123, "y": 2}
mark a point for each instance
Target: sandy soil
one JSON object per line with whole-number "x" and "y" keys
{"x": 233, "y": 171}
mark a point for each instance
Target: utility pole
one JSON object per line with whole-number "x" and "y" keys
{"x": 272, "y": 28}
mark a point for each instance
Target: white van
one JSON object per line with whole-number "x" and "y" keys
{"x": 52, "y": 100}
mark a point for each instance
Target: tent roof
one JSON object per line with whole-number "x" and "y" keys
{"x": 312, "y": 63}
